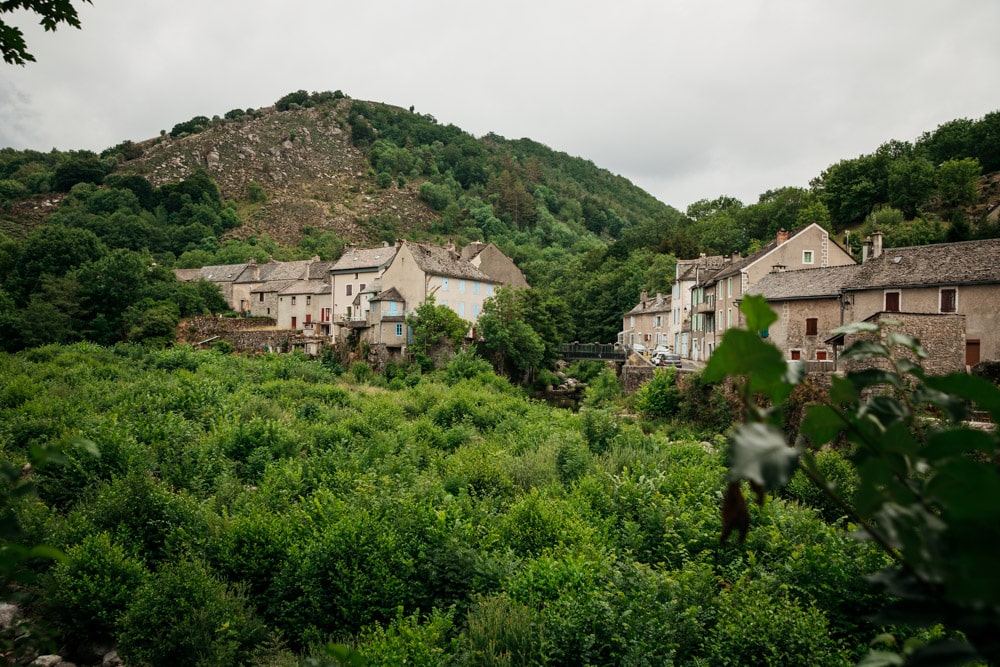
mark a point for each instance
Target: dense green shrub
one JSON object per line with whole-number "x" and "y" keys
{"x": 183, "y": 615}
{"x": 91, "y": 589}
{"x": 660, "y": 397}
{"x": 756, "y": 626}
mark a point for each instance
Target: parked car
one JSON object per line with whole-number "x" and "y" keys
{"x": 667, "y": 359}
{"x": 639, "y": 348}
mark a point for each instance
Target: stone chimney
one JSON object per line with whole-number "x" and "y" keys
{"x": 778, "y": 268}
{"x": 782, "y": 236}
{"x": 643, "y": 296}
{"x": 876, "y": 244}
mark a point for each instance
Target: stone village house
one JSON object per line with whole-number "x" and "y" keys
{"x": 946, "y": 295}
{"x": 368, "y": 291}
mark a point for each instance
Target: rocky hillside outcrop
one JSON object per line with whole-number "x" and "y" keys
{"x": 304, "y": 161}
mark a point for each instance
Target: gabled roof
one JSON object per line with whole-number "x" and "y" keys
{"x": 962, "y": 263}
{"x": 304, "y": 287}
{"x": 364, "y": 259}
{"x": 320, "y": 270}
{"x": 216, "y": 273}
{"x": 274, "y": 286}
{"x": 696, "y": 269}
{"x": 823, "y": 282}
{"x": 438, "y": 261}
{"x": 391, "y": 294}
{"x": 658, "y": 303}
{"x": 737, "y": 266}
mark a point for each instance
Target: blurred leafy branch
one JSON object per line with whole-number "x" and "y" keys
{"x": 929, "y": 483}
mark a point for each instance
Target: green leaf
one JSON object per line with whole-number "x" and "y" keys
{"x": 865, "y": 349}
{"x": 821, "y": 424}
{"x": 942, "y": 653}
{"x": 855, "y": 327}
{"x": 971, "y": 387}
{"x": 842, "y": 391}
{"x": 873, "y": 377}
{"x": 759, "y": 315}
{"x": 743, "y": 353}
{"x": 758, "y": 453}
{"x": 894, "y": 338}
{"x": 952, "y": 443}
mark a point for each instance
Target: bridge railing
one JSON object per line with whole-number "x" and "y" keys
{"x": 608, "y": 351}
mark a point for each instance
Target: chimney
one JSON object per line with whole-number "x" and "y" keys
{"x": 643, "y": 296}
{"x": 778, "y": 268}
{"x": 876, "y": 244}
{"x": 782, "y": 235}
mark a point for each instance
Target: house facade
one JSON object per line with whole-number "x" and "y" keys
{"x": 357, "y": 270}
{"x": 941, "y": 279}
{"x": 419, "y": 271}
{"x": 809, "y": 307}
{"x": 648, "y": 322}
{"x": 716, "y": 297}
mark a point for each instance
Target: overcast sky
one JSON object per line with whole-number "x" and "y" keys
{"x": 688, "y": 99}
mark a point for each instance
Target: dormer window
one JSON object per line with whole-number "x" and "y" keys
{"x": 807, "y": 256}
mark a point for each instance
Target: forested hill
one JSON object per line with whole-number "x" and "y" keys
{"x": 318, "y": 170}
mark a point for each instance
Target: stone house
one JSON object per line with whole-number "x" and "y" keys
{"x": 419, "y": 271}
{"x": 648, "y": 322}
{"x": 715, "y": 297}
{"x": 808, "y": 305}
{"x": 357, "y": 270}
{"x": 304, "y": 304}
{"x": 683, "y": 319}
{"x": 223, "y": 276}
{"x": 388, "y": 315}
{"x": 941, "y": 279}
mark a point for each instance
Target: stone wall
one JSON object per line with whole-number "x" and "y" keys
{"x": 943, "y": 336}
{"x": 244, "y": 333}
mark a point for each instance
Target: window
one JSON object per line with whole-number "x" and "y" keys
{"x": 461, "y": 310}
{"x": 261, "y": 299}
{"x": 796, "y": 355}
{"x": 658, "y": 321}
{"x": 475, "y": 310}
{"x": 444, "y": 284}
{"x": 461, "y": 286}
{"x": 392, "y": 310}
{"x": 807, "y": 256}
{"x": 475, "y": 287}
{"x": 309, "y": 300}
{"x": 729, "y": 286}
{"x": 812, "y": 326}
{"x": 631, "y": 321}
{"x": 326, "y": 314}
{"x": 355, "y": 276}
{"x": 293, "y": 300}
{"x": 361, "y": 288}
{"x": 949, "y": 300}
{"x": 350, "y": 290}
{"x": 729, "y": 317}
{"x": 821, "y": 355}
{"x": 309, "y": 319}
{"x": 489, "y": 290}
{"x": 399, "y": 330}
{"x": 892, "y": 302}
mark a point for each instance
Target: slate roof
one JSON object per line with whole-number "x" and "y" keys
{"x": 274, "y": 286}
{"x": 320, "y": 270}
{"x": 304, "y": 287}
{"x": 815, "y": 283}
{"x": 217, "y": 273}
{"x": 962, "y": 263}
{"x": 695, "y": 269}
{"x": 439, "y": 261}
{"x": 391, "y": 294}
{"x": 356, "y": 259}
{"x": 654, "y": 304}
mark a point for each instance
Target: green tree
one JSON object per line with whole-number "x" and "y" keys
{"x": 506, "y": 338}
{"x": 911, "y": 183}
{"x": 437, "y": 332}
{"x": 958, "y": 181}
{"x": 52, "y": 13}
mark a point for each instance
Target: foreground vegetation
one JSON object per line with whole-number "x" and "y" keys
{"x": 250, "y": 511}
